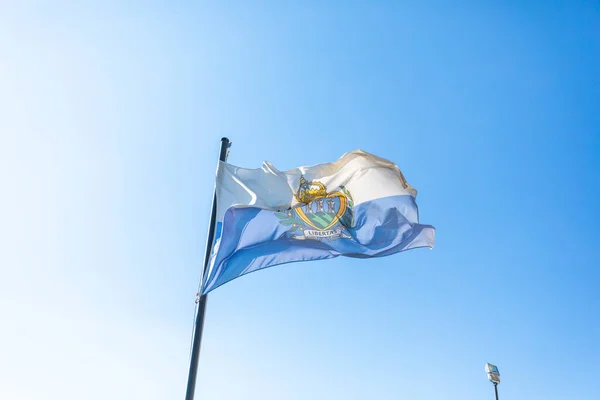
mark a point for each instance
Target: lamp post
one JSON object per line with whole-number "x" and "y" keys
{"x": 493, "y": 375}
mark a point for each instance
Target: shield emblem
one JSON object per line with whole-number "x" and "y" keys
{"x": 324, "y": 212}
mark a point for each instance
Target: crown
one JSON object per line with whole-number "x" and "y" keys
{"x": 308, "y": 191}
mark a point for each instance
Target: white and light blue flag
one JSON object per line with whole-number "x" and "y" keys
{"x": 358, "y": 206}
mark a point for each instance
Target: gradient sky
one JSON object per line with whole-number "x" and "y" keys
{"x": 110, "y": 120}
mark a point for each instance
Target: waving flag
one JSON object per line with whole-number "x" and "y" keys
{"x": 358, "y": 206}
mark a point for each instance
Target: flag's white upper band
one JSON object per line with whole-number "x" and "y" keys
{"x": 365, "y": 176}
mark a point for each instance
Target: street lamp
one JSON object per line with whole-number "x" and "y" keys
{"x": 493, "y": 375}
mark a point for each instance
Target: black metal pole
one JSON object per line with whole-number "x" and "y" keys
{"x": 191, "y": 385}
{"x": 496, "y": 390}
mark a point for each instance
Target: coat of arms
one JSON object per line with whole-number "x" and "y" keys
{"x": 323, "y": 215}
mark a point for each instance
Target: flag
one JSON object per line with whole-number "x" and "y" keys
{"x": 358, "y": 206}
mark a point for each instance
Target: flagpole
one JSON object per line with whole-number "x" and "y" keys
{"x": 191, "y": 385}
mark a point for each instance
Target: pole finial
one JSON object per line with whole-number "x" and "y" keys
{"x": 226, "y": 142}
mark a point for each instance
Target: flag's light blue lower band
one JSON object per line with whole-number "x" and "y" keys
{"x": 250, "y": 238}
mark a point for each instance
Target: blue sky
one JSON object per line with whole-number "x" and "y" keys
{"x": 110, "y": 120}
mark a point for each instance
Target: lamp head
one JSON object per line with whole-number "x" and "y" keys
{"x": 492, "y": 373}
